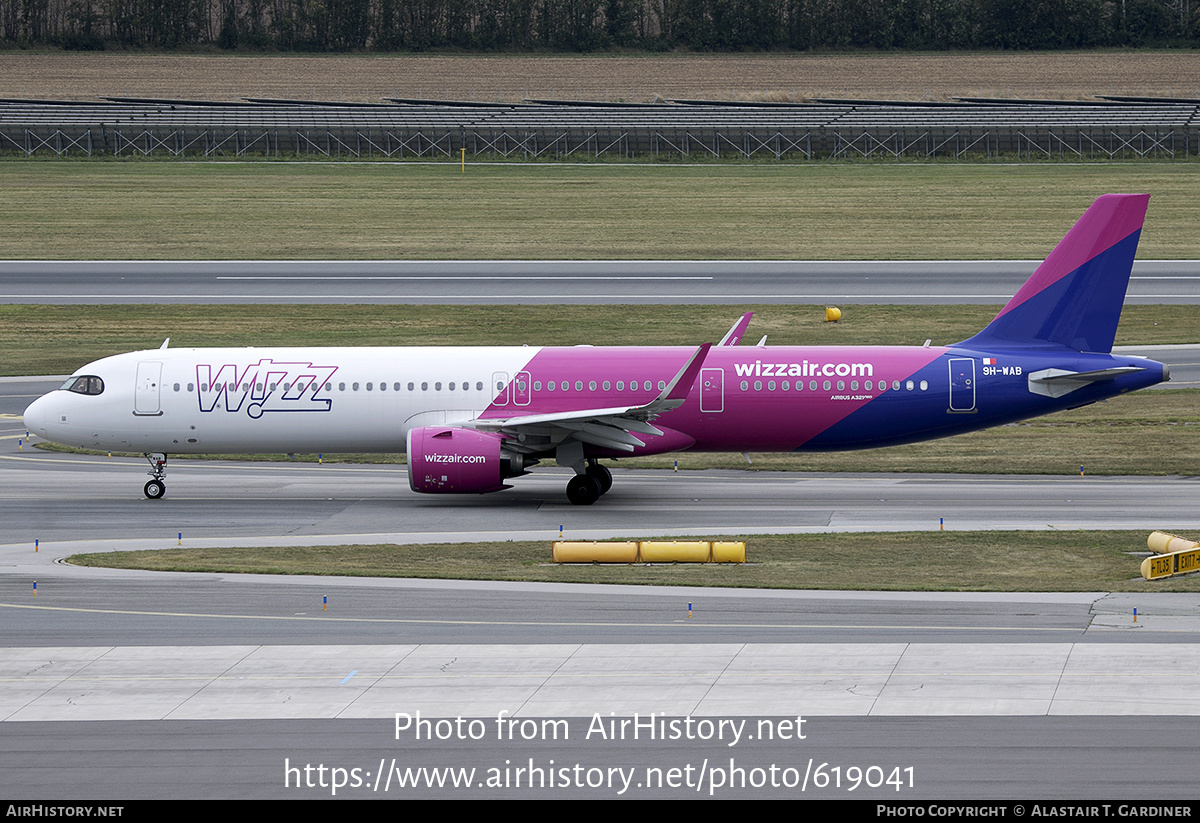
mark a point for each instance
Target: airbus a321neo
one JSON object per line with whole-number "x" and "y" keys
{"x": 472, "y": 418}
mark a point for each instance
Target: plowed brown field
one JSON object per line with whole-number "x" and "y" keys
{"x": 639, "y": 78}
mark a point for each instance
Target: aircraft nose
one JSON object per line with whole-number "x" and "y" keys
{"x": 35, "y": 416}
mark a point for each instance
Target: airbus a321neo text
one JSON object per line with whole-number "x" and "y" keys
{"x": 471, "y": 419}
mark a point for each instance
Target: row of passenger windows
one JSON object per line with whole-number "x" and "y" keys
{"x": 565, "y": 385}
{"x": 827, "y": 385}
{"x": 551, "y": 385}
{"x": 82, "y": 386}
{"x": 314, "y": 387}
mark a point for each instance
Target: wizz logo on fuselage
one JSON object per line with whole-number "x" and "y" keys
{"x": 265, "y": 386}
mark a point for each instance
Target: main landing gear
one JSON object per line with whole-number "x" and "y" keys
{"x": 585, "y": 489}
{"x": 156, "y": 488}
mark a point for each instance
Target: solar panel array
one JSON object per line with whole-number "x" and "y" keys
{"x": 1102, "y": 129}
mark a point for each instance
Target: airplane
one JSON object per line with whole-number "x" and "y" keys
{"x": 471, "y": 418}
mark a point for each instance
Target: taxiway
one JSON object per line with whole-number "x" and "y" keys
{"x": 726, "y": 282}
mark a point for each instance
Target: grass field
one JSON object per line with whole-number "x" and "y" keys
{"x": 907, "y": 561}
{"x": 1047, "y": 75}
{"x": 269, "y": 210}
{"x": 40, "y": 339}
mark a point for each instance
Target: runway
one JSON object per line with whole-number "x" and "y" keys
{"x": 585, "y": 282}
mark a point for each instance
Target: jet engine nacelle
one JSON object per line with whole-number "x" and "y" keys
{"x": 454, "y": 460}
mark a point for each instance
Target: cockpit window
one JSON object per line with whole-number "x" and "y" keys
{"x": 84, "y": 384}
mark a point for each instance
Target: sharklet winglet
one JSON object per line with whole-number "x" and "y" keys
{"x": 734, "y": 335}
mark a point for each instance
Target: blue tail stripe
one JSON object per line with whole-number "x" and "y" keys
{"x": 1078, "y": 312}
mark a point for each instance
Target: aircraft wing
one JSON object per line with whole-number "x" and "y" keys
{"x": 614, "y": 427}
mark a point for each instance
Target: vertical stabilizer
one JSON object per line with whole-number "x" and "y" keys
{"x": 1074, "y": 298}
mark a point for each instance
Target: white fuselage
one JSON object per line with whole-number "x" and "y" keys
{"x": 193, "y": 401}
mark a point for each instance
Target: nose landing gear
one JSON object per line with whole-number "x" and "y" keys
{"x": 156, "y": 488}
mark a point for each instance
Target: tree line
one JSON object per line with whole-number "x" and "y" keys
{"x": 594, "y": 25}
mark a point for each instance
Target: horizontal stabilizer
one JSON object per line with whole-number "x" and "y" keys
{"x": 1057, "y": 382}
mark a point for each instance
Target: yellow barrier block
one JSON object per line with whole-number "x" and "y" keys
{"x": 729, "y": 552}
{"x": 579, "y": 552}
{"x": 1162, "y": 543}
{"x": 649, "y": 551}
{"x": 693, "y": 551}
{"x": 1176, "y": 555}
